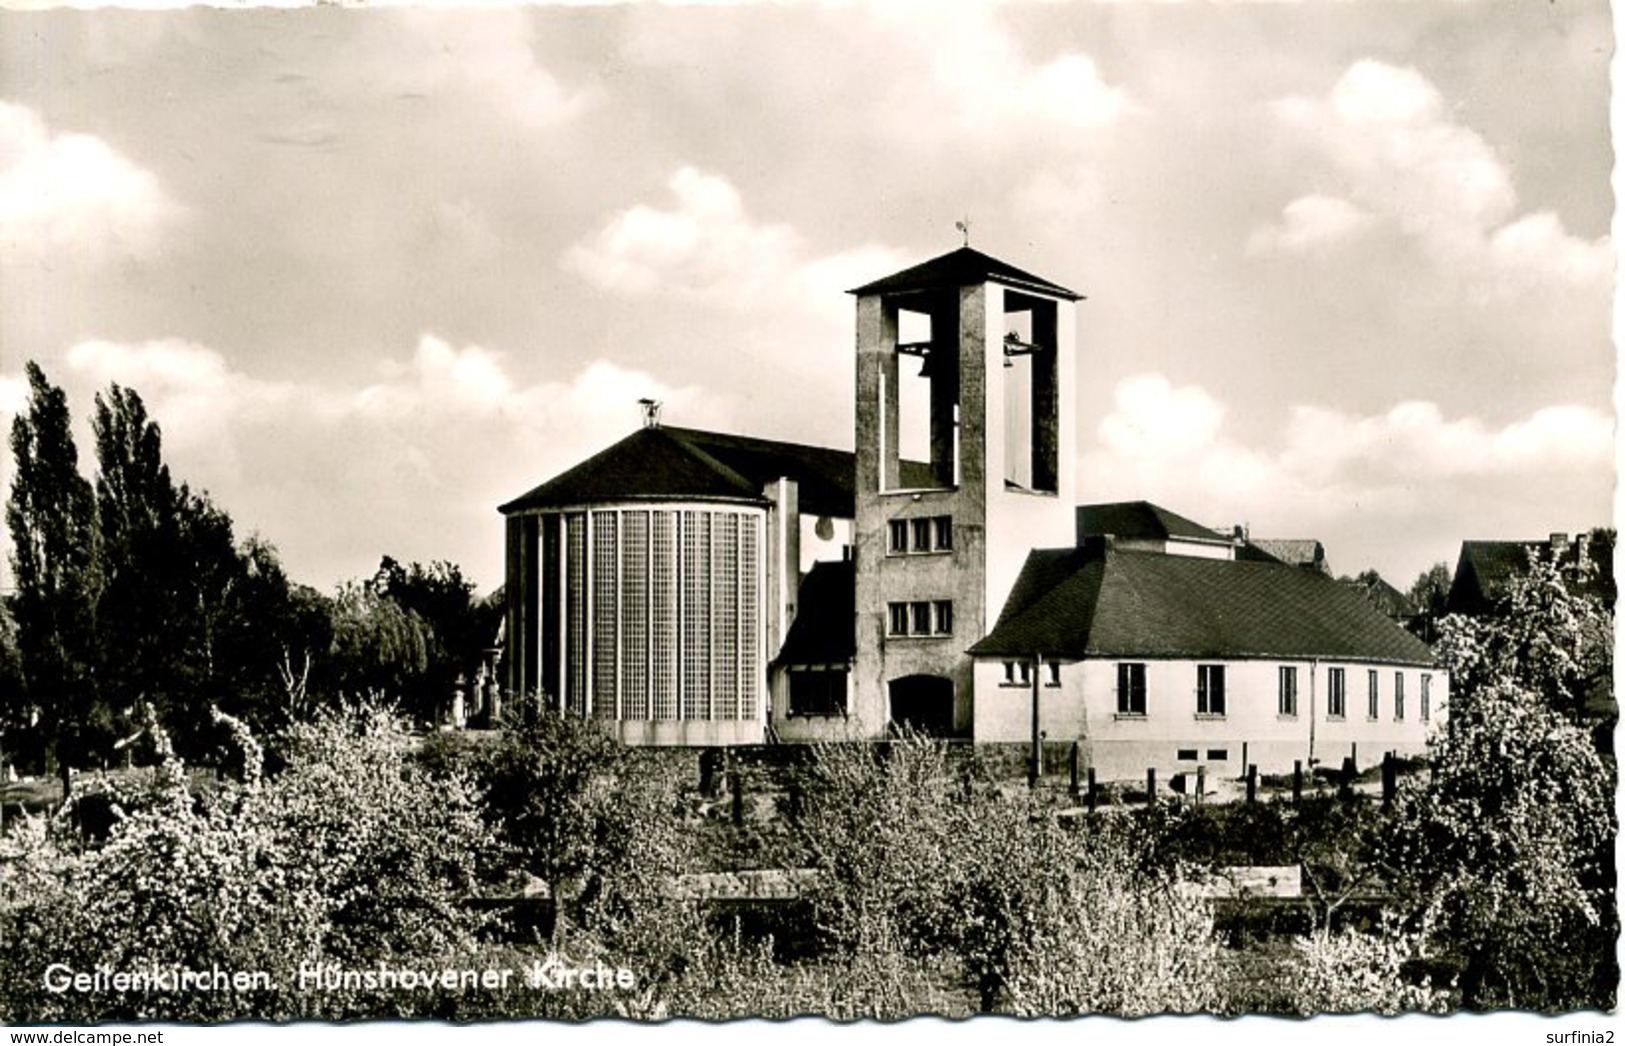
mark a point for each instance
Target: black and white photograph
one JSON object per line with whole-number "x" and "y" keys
{"x": 850, "y": 513}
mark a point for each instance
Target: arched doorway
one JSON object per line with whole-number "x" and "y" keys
{"x": 923, "y": 703}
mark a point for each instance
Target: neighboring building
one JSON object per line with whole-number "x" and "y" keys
{"x": 1298, "y": 552}
{"x": 1385, "y": 597}
{"x": 1176, "y": 661}
{"x": 1485, "y": 569}
{"x": 659, "y": 585}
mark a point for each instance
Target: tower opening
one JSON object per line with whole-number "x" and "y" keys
{"x": 1031, "y": 394}
{"x": 927, "y": 385}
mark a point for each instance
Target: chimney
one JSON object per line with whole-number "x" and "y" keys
{"x": 1239, "y": 534}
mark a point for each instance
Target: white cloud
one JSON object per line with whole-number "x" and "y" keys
{"x": 707, "y": 246}
{"x": 67, "y": 194}
{"x": 1309, "y": 223}
{"x": 412, "y": 465}
{"x": 1403, "y": 159}
{"x": 1168, "y": 442}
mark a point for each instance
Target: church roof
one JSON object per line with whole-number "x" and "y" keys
{"x": 1099, "y": 601}
{"x": 824, "y": 631}
{"x": 662, "y": 463}
{"x": 963, "y": 268}
{"x": 1139, "y": 520}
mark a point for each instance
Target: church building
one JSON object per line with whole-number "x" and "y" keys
{"x": 659, "y": 586}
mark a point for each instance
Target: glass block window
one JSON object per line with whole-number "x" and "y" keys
{"x": 663, "y": 616}
{"x": 696, "y": 584}
{"x": 634, "y": 630}
{"x": 575, "y": 613}
{"x": 750, "y": 625}
{"x": 725, "y": 615}
{"x": 605, "y": 597}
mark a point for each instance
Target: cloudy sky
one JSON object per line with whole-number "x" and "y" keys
{"x": 1348, "y": 267}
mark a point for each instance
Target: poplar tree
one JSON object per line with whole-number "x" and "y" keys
{"x": 51, "y": 513}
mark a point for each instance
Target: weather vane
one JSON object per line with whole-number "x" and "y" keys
{"x": 963, "y": 225}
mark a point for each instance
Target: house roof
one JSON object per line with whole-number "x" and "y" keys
{"x": 824, "y": 631}
{"x": 1485, "y": 568}
{"x": 1299, "y": 552}
{"x": 963, "y": 268}
{"x": 1099, "y": 601}
{"x": 1383, "y": 596}
{"x": 661, "y": 463}
{"x": 1131, "y": 520}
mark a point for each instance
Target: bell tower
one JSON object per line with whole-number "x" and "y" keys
{"x": 965, "y": 448}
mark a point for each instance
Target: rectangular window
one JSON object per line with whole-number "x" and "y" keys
{"x": 1427, "y": 696}
{"x": 1399, "y": 695}
{"x": 1018, "y": 673}
{"x": 921, "y": 531}
{"x": 1054, "y": 668}
{"x": 943, "y": 610}
{"x": 1130, "y": 688}
{"x": 942, "y": 533}
{"x": 1218, "y": 755}
{"x": 1336, "y": 694}
{"x": 819, "y": 692}
{"x": 1210, "y": 690}
{"x": 1287, "y": 683}
{"x": 1188, "y": 754}
{"x": 1371, "y": 698}
{"x": 897, "y": 537}
{"x": 919, "y": 619}
{"x": 898, "y": 623}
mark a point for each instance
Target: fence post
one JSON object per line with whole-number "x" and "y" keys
{"x": 1091, "y": 789}
{"x": 1389, "y": 775}
{"x": 1072, "y": 770}
{"x": 736, "y": 782}
{"x": 1346, "y": 786}
{"x": 1150, "y": 785}
{"x": 1297, "y": 781}
{"x": 1252, "y": 783}
{"x": 1201, "y": 783}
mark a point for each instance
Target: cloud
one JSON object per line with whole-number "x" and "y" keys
{"x": 1309, "y": 223}
{"x": 67, "y": 194}
{"x": 1402, "y": 159}
{"x": 1169, "y": 443}
{"x": 706, "y": 246}
{"x": 412, "y": 464}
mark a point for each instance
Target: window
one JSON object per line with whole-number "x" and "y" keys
{"x": 1218, "y": 755}
{"x": 817, "y": 692}
{"x": 1371, "y": 701}
{"x": 1188, "y": 754}
{"x": 920, "y": 618}
{"x": 919, "y": 535}
{"x": 1399, "y": 695}
{"x": 1427, "y": 696}
{"x": 1130, "y": 688}
{"x": 1018, "y": 673}
{"x": 1336, "y": 694}
{"x": 921, "y": 530}
{"x": 1054, "y": 669}
{"x": 1210, "y": 690}
{"x": 1287, "y": 683}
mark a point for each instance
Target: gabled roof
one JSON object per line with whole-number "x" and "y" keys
{"x": 1299, "y": 552}
{"x": 824, "y": 631}
{"x": 1098, "y": 601}
{"x": 1485, "y": 569}
{"x": 964, "y": 267}
{"x": 660, "y": 463}
{"x": 1383, "y": 596}
{"x": 1131, "y": 520}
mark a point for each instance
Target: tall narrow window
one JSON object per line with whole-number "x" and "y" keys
{"x": 1130, "y": 688}
{"x": 897, "y": 619}
{"x": 1287, "y": 688}
{"x": 919, "y": 618}
{"x": 1372, "y": 699}
{"x": 1399, "y": 695}
{"x": 1427, "y": 696}
{"x": 1210, "y": 690}
{"x": 897, "y": 537}
{"x": 920, "y": 529}
{"x": 942, "y": 533}
{"x": 943, "y": 611}
{"x": 1336, "y": 694}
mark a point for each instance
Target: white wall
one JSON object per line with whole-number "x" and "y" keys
{"x": 1084, "y": 708}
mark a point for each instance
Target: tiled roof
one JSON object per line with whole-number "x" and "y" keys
{"x": 1097, "y": 601}
{"x": 1139, "y": 520}
{"x": 1384, "y": 597}
{"x": 667, "y": 463}
{"x": 1486, "y": 568}
{"x": 825, "y": 629}
{"x": 1299, "y": 552}
{"x": 964, "y": 267}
